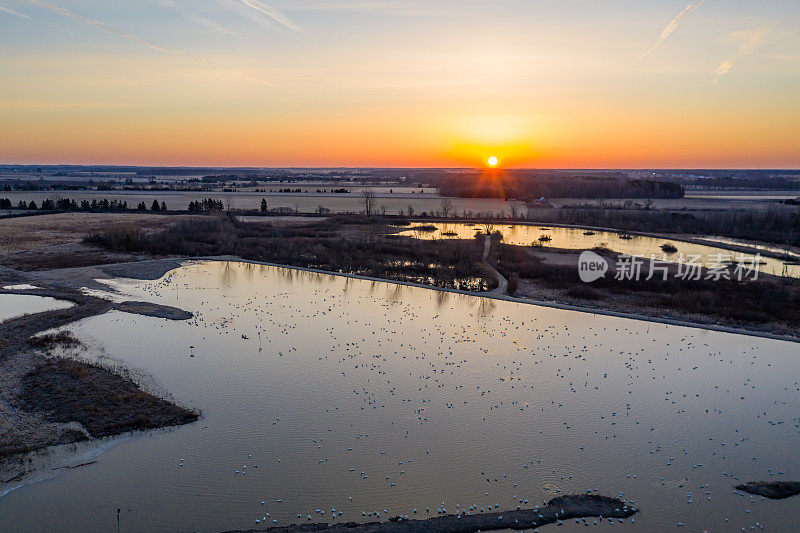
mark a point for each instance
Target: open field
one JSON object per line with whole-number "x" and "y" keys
{"x": 29, "y": 233}
{"x": 428, "y": 202}
{"x": 45, "y": 241}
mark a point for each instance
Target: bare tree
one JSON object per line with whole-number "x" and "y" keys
{"x": 487, "y": 221}
{"x": 447, "y": 207}
{"x": 368, "y": 199}
{"x": 410, "y": 210}
{"x": 514, "y": 211}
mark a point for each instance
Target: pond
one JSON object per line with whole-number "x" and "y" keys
{"x": 16, "y": 305}
{"x": 323, "y": 392}
{"x": 584, "y": 239}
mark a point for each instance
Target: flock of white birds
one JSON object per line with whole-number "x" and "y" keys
{"x": 332, "y": 399}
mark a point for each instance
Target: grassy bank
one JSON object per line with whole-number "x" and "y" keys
{"x": 46, "y": 401}
{"x": 62, "y": 390}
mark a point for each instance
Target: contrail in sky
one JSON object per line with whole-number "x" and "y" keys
{"x": 138, "y": 40}
{"x": 672, "y": 26}
{"x": 26, "y": 17}
{"x": 15, "y": 13}
{"x": 273, "y": 14}
{"x": 113, "y": 31}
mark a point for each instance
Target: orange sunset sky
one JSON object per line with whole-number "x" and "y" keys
{"x": 573, "y": 84}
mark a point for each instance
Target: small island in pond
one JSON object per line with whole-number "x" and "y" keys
{"x": 557, "y": 510}
{"x": 775, "y": 490}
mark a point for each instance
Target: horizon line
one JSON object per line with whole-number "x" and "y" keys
{"x": 351, "y": 167}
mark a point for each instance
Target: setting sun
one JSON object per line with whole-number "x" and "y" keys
{"x": 492, "y": 161}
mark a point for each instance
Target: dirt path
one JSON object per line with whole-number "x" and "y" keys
{"x": 502, "y": 282}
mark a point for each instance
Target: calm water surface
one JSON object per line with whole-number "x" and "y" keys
{"x": 321, "y": 392}
{"x": 16, "y": 305}
{"x": 577, "y": 239}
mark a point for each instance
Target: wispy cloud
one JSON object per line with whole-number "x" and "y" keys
{"x": 672, "y": 26}
{"x": 210, "y": 24}
{"x": 27, "y": 17}
{"x": 749, "y": 42}
{"x": 15, "y": 13}
{"x": 114, "y": 31}
{"x": 139, "y": 40}
{"x": 273, "y": 14}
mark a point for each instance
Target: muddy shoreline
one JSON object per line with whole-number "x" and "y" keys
{"x": 47, "y": 401}
{"x": 557, "y": 510}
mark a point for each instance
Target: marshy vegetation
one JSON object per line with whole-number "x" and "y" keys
{"x": 366, "y": 246}
{"x": 668, "y": 248}
{"x": 63, "y": 390}
{"x": 768, "y": 301}
{"x": 49, "y": 341}
{"x": 351, "y": 245}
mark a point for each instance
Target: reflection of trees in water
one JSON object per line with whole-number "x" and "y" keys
{"x": 442, "y": 298}
{"x": 229, "y": 272}
{"x": 486, "y": 306}
{"x": 249, "y": 270}
{"x": 394, "y": 292}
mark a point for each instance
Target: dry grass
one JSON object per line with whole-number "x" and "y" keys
{"x": 29, "y": 233}
{"x": 53, "y": 340}
{"x": 63, "y": 390}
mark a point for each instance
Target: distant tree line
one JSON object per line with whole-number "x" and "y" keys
{"x": 67, "y": 204}
{"x": 774, "y": 183}
{"x": 206, "y": 204}
{"x": 154, "y": 207}
{"x": 531, "y": 187}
